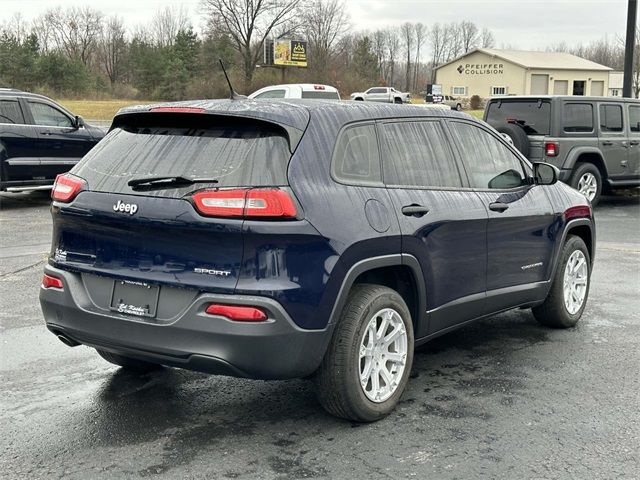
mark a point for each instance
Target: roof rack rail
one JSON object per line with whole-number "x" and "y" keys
{"x": 7, "y": 89}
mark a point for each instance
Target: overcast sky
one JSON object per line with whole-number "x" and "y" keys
{"x": 525, "y": 24}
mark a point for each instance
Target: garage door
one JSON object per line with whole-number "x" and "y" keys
{"x": 539, "y": 84}
{"x": 597, "y": 88}
{"x": 561, "y": 87}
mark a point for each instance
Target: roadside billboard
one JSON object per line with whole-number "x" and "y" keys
{"x": 290, "y": 53}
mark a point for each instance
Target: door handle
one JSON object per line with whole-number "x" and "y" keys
{"x": 607, "y": 142}
{"x": 46, "y": 132}
{"x": 498, "y": 207}
{"x": 414, "y": 210}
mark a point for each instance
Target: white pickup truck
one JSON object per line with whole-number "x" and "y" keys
{"x": 383, "y": 95}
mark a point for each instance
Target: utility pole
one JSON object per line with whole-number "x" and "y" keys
{"x": 632, "y": 17}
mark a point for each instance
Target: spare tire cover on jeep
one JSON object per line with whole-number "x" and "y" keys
{"x": 518, "y": 136}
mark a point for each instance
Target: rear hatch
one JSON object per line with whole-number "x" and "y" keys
{"x": 533, "y": 115}
{"x": 162, "y": 199}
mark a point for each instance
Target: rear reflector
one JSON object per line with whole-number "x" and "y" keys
{"x": 237, "y": 313}
{"x": 551, "y": 149}
{"x": 66, "y": 187}
{"x": 51, "y": 282}
{"x": 579, "y": 211}
{"x": 178, "y": 110}
{"x": 274, "y": 203}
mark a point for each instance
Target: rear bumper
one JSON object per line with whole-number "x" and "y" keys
{"x": 275, "y": 349}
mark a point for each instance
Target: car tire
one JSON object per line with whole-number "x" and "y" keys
{"x": 518, "y": 137}
{"x": 458, "y": 107}
{"x": 397, "y": 100}
{"x": 359, "y": 99}
{"x": 128, "y": 362}
{"x": 586, "y": 178}
{"x": 356, "y": 348}
{"x": 557, "y": 311}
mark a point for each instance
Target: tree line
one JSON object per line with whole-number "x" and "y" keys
{"x": 80, "y": 52}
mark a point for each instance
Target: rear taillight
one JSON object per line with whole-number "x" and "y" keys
{"x": 260, "y": 202}
{"x": 579, "y": 211}
{"x": 551, "y": 149}
{"x": 237, "y": 313}
{"x": 49, "y": 281}
{"x": 66, "y": 187}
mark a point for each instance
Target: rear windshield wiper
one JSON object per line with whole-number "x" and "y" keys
{"x": 149, "y": 183}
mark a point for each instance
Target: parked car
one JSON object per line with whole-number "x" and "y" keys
{"x": 39, "y": 139}
{"x": 193, "y": 237}
{"x": 297, "y": 90}
{"x": 452, "y": 102}
{"x": 594, "y": 141}
{"x": 382, "y": 95}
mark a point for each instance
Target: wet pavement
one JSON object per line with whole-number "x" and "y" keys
{"x": 503, "y": 398}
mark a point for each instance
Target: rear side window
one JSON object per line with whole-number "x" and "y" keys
{"x": 272, "y": 94}
{"x": 610, "y": 118}
{"x": 320, "y": 94}
{"x": 489, "y": 163}
{"x": 236, "y": 152}
{"x": 577, "y": 117}
{"x": 634, "y": 118}
{"x": 10, "y": 112}
{"x": 356, "y": 159}
{"x": 377, "y": 90}
{"x": 533, "y": 115}
{"x": 416, "y": 154}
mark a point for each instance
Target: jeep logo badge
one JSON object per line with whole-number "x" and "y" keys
{"x": 129, "y": 208}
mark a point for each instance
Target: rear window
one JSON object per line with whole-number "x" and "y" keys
{"x": 10, "y": 112}
{"x": 533, "y": 115}
{"x": 235, "y": 152}
{"x": 320, "y": 94}
{"x": 577, "y": 117}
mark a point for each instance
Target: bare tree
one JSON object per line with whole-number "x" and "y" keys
{"x": 113, "y": 48}
{"x": 166, "y": 24}
{"x": 438, "y": 42}
{"x": 75, "y": 31}
{"x": 324, "y": 23}
{"x": 452, "y": 41}
{"x": 393, "y": 48}
{"x": 16, "y": 27}
{"x": 421, "y": 33}
{"x": 487, "y": 40}
{"x": 469, "y": 35}
{"x": 406, "y": 32}
{"x": 249, "y": 23}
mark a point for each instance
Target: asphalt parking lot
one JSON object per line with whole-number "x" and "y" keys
{"x": 503, "y": 398}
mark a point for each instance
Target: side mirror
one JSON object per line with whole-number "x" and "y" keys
{"x": 78, "y": 122}
{"x": 545, "y": 173}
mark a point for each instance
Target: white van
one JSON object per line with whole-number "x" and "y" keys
{"x": 298, "y": 90}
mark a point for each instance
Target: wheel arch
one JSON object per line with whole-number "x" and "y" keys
{"x": 583, "y": 228}
{"x": 581, "y": 155}
{"x": 400, "y": 272}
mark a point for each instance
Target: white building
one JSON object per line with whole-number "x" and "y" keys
{"x": 616, "y": 80}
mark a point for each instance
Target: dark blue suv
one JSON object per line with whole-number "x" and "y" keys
{"x": 282, "y": 239}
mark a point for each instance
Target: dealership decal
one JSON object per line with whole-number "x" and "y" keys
{"x": 481, "y": 69}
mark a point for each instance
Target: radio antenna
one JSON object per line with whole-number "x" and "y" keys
{"x": 233, "y": 95}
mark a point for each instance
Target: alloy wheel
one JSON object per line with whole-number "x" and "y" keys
{"x": 588, "y": 185}
{"x": 576, "y": 278}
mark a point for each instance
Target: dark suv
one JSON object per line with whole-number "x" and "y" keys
{"x": 594, "y": 141}
{"x": 39, "y": 139}
{"x": 314, "y": 239}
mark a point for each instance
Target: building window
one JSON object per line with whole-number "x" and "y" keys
{"x": 498, "y": 91}
{"x": 615, "y": 92}
{"x": 459, "y": 91}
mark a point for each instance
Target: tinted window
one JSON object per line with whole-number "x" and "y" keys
{"x": 356, "y": 159}
{"x": 272, "y": 94}
{"x": 236, "y": 152}
{"x": 533, "y": 115}
{"x": 377, "y": 90}
{"x": 611, "y": 118}
{"x": 577, "y": 117}
{"x": 44, "y": 114}
{"x": 489, "y": 163}
{"x": 634, "y": 118}
{"x": 417, "y": 154}
{"x": 10, "y": 112}
{"x": 320, "y": 94}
